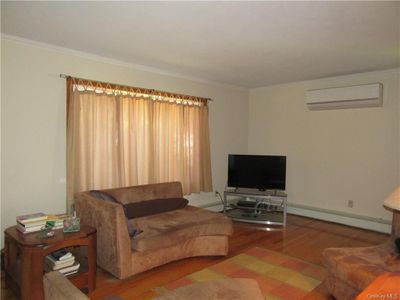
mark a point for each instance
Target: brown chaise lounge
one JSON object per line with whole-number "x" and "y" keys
{"x": 166, "y": 236}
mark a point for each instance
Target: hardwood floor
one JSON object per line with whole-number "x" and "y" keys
{"x": 303, "y": 238}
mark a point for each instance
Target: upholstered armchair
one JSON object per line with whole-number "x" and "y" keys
{"x": 351, "y": 270}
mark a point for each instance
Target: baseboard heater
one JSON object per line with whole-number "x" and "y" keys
{"x": 321, "y": 210}
{"x": 340, "y": 213}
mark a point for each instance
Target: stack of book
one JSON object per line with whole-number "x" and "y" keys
{"x": 61, "y": 261}
{"x": 56, "y": 221}
{"x": 31, "y": 223}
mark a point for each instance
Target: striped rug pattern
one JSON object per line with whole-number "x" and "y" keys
{"x": 279, "y": 276}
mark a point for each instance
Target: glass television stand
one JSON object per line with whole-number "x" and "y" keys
{"x": 253, "y": 206}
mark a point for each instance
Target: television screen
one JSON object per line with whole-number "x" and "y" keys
{"x": 257, "y": 171}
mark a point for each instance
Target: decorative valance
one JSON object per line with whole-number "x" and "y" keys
{"x": 86, "y": 85}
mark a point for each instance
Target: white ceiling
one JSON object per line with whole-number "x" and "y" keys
{"x": 248, "y": 44}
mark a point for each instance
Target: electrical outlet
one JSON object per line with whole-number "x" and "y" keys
{"x": 350, "y": 203}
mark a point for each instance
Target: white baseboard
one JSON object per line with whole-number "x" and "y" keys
{"x": 369, "y": 223}
{"x": 214, "y": 206}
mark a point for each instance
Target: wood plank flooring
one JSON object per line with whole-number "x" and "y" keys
{"x": 303, "y": 238}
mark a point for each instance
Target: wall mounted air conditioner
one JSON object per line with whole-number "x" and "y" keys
{"x": 366, "y": 95}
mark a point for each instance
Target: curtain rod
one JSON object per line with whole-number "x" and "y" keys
{"x": 145, "y": 90}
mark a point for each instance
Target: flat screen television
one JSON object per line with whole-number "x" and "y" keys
{"x": 263, "y": 172}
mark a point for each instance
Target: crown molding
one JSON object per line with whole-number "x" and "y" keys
{"x": 103, "y": 59}
{"x": 382, "y": 72}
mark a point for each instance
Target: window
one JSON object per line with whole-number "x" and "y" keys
{"x": 121, "y": 136}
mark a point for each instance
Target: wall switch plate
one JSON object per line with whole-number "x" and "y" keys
{"x": 350, "y": 203}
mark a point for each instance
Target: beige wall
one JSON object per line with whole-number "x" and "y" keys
{"x": 33, "y": 122}
{"x": 335, "y": 155}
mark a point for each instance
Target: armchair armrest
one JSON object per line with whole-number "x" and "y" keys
{"x": 113, "y": 242}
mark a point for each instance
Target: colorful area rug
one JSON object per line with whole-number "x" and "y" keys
{"x": 279, "y": 276}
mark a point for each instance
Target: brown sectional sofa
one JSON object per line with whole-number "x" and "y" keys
{"x": 166, "y": 236}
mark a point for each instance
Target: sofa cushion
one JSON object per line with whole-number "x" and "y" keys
{"x": 173, "y": 227}
{"x": 142, "y": 208}
{"x": 133, "y": 229}
{"x": 151, "y": 207}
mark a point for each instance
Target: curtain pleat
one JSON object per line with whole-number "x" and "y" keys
{"x": 115, "y": 140}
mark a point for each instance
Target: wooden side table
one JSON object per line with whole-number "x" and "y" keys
{"x": 24, "y": 258}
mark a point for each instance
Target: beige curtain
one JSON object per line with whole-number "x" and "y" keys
{"x": 116, "y": 140}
